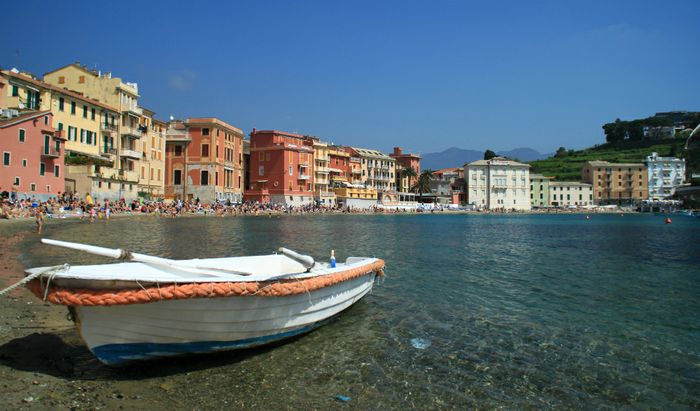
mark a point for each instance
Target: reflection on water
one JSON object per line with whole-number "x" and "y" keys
{"x": 475, "y": 311}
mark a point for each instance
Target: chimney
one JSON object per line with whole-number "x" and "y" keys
{"x": 397, "y": 151}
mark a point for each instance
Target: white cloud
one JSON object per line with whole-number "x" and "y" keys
{"x": 183, "y": 80}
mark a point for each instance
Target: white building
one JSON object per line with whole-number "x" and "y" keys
{"x": 570, "y": 193}
{"x": 498, "y": 183}
{"x": 665, "y": 175}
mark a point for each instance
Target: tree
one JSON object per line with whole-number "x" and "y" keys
{"x": 423, "y": 184}
{"x": 561, "y": 152}
{"x": 488, "y": 155}
{"x": 406, "y": 172}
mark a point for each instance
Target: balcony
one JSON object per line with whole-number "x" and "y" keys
{"x": 323, "y": 170}
{"x": 129, "y": 175}
{"x": 108, "y": 151}
{"x": 60, "y": 134}
{"x": 108, "y": 128}
{"x": 303, "y": 165}
{"x": 136, "y": 111}
{"x": 50, "y": 152}
{"x": 303, "y": 177}
{"x": 131, "y": 132}
{"x": 124, "y": 152}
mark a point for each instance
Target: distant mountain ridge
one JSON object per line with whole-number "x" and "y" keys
{"x": 456, "y": 157}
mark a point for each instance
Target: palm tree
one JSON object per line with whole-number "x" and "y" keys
{"x": 423, "y": 184}
{"x": 406, "y": 172}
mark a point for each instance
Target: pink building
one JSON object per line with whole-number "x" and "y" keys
{"x": 281, "y": 168}
{"x": 32, "y": 156}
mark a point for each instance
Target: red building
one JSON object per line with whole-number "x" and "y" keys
{"x": 204, "y": 159}
{"x": 405, "y": 160}
{"x": 281, "y": 168}
{"x": 32, "y": 156}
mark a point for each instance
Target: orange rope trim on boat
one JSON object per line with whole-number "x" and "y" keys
{"x": 87, "y": 297}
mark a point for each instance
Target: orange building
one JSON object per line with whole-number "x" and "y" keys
{"x": 32, "y": 156}
{"x": 617, "y": 183}
{"x": 281, "y": 168}
{"x": 339, "y": 165}
{"x": 204, "y": 159}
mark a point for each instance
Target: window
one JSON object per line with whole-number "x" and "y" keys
{"x": 24, "y": 162}
{"x": 32, "y": 187}
{"x": 72, "y": 107}
{"x": 205, "y": 150}
{"x": 15, "y": 91}
{"x": 204, "y": 178}
{"x": 261, "y": 170}
{"x": 16, "y": 182}
{"x": 6, "y": 158}
{"x": 56, "y": 170}
{"x": 61, "y": 80}
{"x": 291, "y": 171}
{"x": 261, "y": 156}
{"x": 178, "y": 151}
{"x": 82, "y": 135}
{"x": 92, "y": 114}
{"x": 46, "y": 120}
{"x": 81, "y": 79}
{"x": 205, "y": 131}
{"x": 85, "y": 111}
{"x": 42, "y": 169}
{"x": 21, "y": 135}
{"x": 61, "y": 102}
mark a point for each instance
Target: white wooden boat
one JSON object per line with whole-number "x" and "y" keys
{"x": 153, "y": 307}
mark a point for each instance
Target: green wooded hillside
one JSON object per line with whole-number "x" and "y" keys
{"x": 567, "y": 166}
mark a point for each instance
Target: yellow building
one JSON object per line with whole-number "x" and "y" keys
{"x": 322, "y": 178}
{"x": 378, "y": 169}
{"x": 152, "y": 172}
{"x": 124, "y": 97}
{"x": 88, "y": 125}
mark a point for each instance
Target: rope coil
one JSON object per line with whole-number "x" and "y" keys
{"x": 159, "y": 292}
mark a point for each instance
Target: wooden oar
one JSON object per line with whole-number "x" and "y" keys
{"x": 144, "y": 258}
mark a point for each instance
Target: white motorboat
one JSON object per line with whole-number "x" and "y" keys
{"x": 153, "y": 307}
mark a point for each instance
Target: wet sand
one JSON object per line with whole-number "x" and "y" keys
{"x": 44, "y": 364}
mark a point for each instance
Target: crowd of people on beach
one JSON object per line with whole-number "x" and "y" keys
{"x": 73, "y": 205}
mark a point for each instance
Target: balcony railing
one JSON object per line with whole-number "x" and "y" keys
{"x": 303, "y": 177}
{"x": 108, "y": 128}
{"x": 132, "y": 132}
{"x": 50, "y": 152}
{"x": 108, "y": 151}
{"x": 130, "y": 153}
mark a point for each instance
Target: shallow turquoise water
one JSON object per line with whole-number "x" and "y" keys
{"x": 476, "y": 311}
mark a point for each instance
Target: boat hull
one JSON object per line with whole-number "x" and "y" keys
{"x": 124, "y": 333}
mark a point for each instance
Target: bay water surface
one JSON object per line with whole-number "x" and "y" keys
{"x": 475, "y": 311}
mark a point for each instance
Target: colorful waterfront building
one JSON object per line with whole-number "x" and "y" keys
{"x": 498, "y": 184}
{"x": 123, "y": 96}
{"x": 281, "y": 168}
{"x": 152, "y": 173}
{"x": 32, "y": 154}
{"x": 204, "y": 160}
{"x": 665, "y": 175}
{"x": 339, "y": 166}
{"x": 539, "y": 190}
{"x": 87, "y": 125}
{"x": 405, "y": 161}
{"x": 617, "y": 183}
{"x": 322, "y": 182}
{"x": 378, "y": 169}
{"x": 570, "y": 194}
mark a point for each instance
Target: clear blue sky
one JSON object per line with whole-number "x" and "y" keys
{"x": 425, "y": 75}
